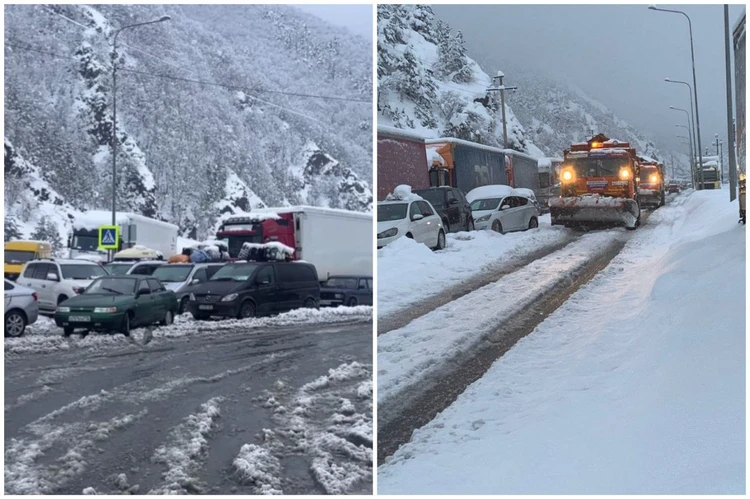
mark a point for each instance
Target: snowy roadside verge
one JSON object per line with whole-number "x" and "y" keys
{"x": 46, "y": 337}
{"x": 409, "y": 272}
{"x": 407, "y": 357}
{"x": 636, "y": 385}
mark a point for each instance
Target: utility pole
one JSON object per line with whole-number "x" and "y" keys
{"x": 498, "y": 86}
{"x": 721, "y": 160}
{"x": 730, "y": 121}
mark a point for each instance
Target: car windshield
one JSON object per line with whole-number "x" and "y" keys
{"x": 241, "y": 272}
{"x": 434, "y": 196}
{"x": 341, "y": 282}
{"x": 112, "y": 286}
{"x": 72, "y": 271}
{"x": 485, "y": 204}
{"x": 85, "y": 242}
{"x": 390, "y": 212}
{"x": 117, "y": 268}
{"x": 646, "y": 173}
{"x": 597, "y": 167}
{"x": 173, "y": 273}
{"x": 17, "y": 256}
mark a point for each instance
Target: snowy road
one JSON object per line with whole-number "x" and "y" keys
{"x": 634, "y": 385}
{"x": 265, "y": 406}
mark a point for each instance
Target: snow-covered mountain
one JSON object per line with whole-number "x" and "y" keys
{"x": 188, "y": 151}
{"x": 428, "y": 83}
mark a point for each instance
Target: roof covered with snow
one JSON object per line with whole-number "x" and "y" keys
{"x": 392, "y": 131}
{"x": 491, "y": 191}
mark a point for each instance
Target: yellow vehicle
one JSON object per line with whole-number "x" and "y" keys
{"x": 17, "y": 253}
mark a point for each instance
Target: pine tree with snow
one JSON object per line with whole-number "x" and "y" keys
{"x": 11, "y": 229}
{"x": 46, "y": 231}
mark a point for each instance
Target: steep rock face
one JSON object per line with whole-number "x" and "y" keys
{"x": 186, "y": 147}
{"x": 427, "y": 82}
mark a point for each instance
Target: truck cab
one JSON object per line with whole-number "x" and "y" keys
{"x": 256, "y": 229}
{"x": 651, "y": 190}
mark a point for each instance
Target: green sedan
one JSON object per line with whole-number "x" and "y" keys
{"x": 118, "y": 303}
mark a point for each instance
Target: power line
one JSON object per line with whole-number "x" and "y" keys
{"x": 239, "y": 87}
{"x": 31, "y": 49}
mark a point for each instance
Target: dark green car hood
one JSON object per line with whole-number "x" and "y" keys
{"x": 100, "y": 301}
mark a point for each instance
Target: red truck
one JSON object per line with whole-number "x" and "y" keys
{"x": 401, "y": 160}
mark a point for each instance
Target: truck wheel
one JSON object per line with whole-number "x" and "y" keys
{"x": 247, "y": 310}
{"x": 497, "y": 226}
{"x": 440, "y": 241}
{"x": 15, "y": 324}
{"x": 352, "y": 302}
{"x": 125, "y": 326}
{"x": 168, "y": 319}
{"x": 67, "y": 331}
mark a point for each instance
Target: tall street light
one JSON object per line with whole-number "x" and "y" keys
{"x": 688, "y": 142}
{"x": 695, "y": 85}
{"x": 692, "y": 143}
{"x": 114, "y": 110}
{"x": 690, "y": 93}
{"x": 692, "y": 152}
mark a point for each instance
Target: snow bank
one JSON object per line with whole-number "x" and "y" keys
{"x": 649, "y": 401}
{"x": 409, "y": 272}
{"x": 256, "y": 466}
{"x": 93, "y": 219}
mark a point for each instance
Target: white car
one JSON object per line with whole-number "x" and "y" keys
{"x": 502, "y": 209}
{"x": 529, "y": 193}
{"x": 411, "y": 217}
{"x": 56, "y": 280}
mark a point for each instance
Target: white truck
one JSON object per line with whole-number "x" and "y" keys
{"x": 134, "y": 230}
{"x": 336, "y": 242}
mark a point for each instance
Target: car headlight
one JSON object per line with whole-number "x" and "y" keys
{"x": 388, "y": 233}
{"x": 63, "y": 309}
{"x": 625, "y": 173}
{"x": 105, "y": 310}
{"x": 192, "y": 297}
{"x": 338, "y": 295}
{"x": 230, "y": 297}
{"x": 483, "y": 218}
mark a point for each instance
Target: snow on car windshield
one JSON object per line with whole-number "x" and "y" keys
{"x": 390, "y": 212}
{"x": 82, "y": 271}
{"x": 170, "y": 273}
{"x": 485, "y": 204}
{"x": 112, "y": 285}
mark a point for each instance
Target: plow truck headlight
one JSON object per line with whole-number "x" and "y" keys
{"x": 567, "y": 176}
{"x": 625, "y": 174}
{"x": 654, "y": 178}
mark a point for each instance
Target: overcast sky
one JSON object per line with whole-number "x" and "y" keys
{"x": 618, "y": 54}
{"x": 358, "y": 18}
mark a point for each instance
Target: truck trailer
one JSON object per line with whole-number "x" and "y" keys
{"x": 466, "y": 165}
{"x": 401, "y": 160}
{"x": 337, "y": 242}
{"x": 135, "y": 230}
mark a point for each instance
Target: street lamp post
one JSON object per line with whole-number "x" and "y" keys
{"x": 690, "y": 108}
{"x": 695, "y": 84}
{"x": 114, "y": 110}
{"x": 688, "y": 142}
{"x": 692, "y": 143}
{"x": 691, "y": 149}
{"x": 497, "y": 86}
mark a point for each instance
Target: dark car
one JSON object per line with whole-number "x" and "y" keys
{"x": 250, "y": 289}
{"x": 452, "y": 206}
{"x": 117, "y": 303}
{"x": 346, "y": 290}
{"x": 673, "y": 188}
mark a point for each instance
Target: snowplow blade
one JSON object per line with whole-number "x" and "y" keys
{"x": 594, "y": 211}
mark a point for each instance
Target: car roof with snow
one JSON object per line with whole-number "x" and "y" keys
{"x": 64, "y": 261}
{"x": 491, "y": 191}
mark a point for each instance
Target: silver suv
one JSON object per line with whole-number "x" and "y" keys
{"x": 56, "y": 280}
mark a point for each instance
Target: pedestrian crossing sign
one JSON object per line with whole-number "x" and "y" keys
{"x": 108, "y": 237}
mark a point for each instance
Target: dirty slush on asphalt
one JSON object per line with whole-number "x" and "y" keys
{"x": 286, "y": 409}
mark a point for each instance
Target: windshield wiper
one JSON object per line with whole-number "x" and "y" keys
{"x": 112, "y": 290}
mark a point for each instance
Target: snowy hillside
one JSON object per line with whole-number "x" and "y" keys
{"x": 184, "y": 144}
{"x": 427, "y": 82}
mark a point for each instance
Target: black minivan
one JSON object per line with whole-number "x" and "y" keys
{"x": 451, "y": 205}
{"x": 250, "y": 289}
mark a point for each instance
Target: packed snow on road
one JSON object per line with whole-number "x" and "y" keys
{"x": 635, "y": 384}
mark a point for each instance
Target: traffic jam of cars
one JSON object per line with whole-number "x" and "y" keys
{"x": 238, "y": 275}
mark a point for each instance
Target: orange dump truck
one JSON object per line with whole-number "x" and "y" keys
{"x": 651, "y": 189}
{"x": 598, "y": 185}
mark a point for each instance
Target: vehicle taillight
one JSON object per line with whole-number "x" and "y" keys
{"x": 35, "y": 296}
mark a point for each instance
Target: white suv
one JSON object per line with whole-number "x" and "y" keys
{"x": 56, "y": 280}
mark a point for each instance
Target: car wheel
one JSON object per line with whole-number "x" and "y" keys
{"x": 310, "y": 303}
{"x": 168, "y": 319}
{"x": 446, "y": 225}
{"x": 533, "y": 223}
{"x": 67, "y": 331}
{"x": 61, "y": 299}
{"x": 352, "y": 302}
{"x": 409, "y": 235}
{"x": 183, "y": 305}
{"x": 497, "y": 226}
{"x": 15, "y": 324}
{"x": 125, "y": 326}
{"x": 247, "y": 310}
{"x": 440, "y": 241}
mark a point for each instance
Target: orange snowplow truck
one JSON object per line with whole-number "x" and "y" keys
{"x": 651, "y": 188}
{"x": 598, "y": 185}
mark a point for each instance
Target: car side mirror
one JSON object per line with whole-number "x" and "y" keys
{"x": 504, "y": 207}
{"x": 194, "y": 282}
{"x": 53, "y": 277}
{"x": 416, "y": 217}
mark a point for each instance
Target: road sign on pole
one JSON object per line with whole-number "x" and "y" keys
{"x": 108, "y": 236}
